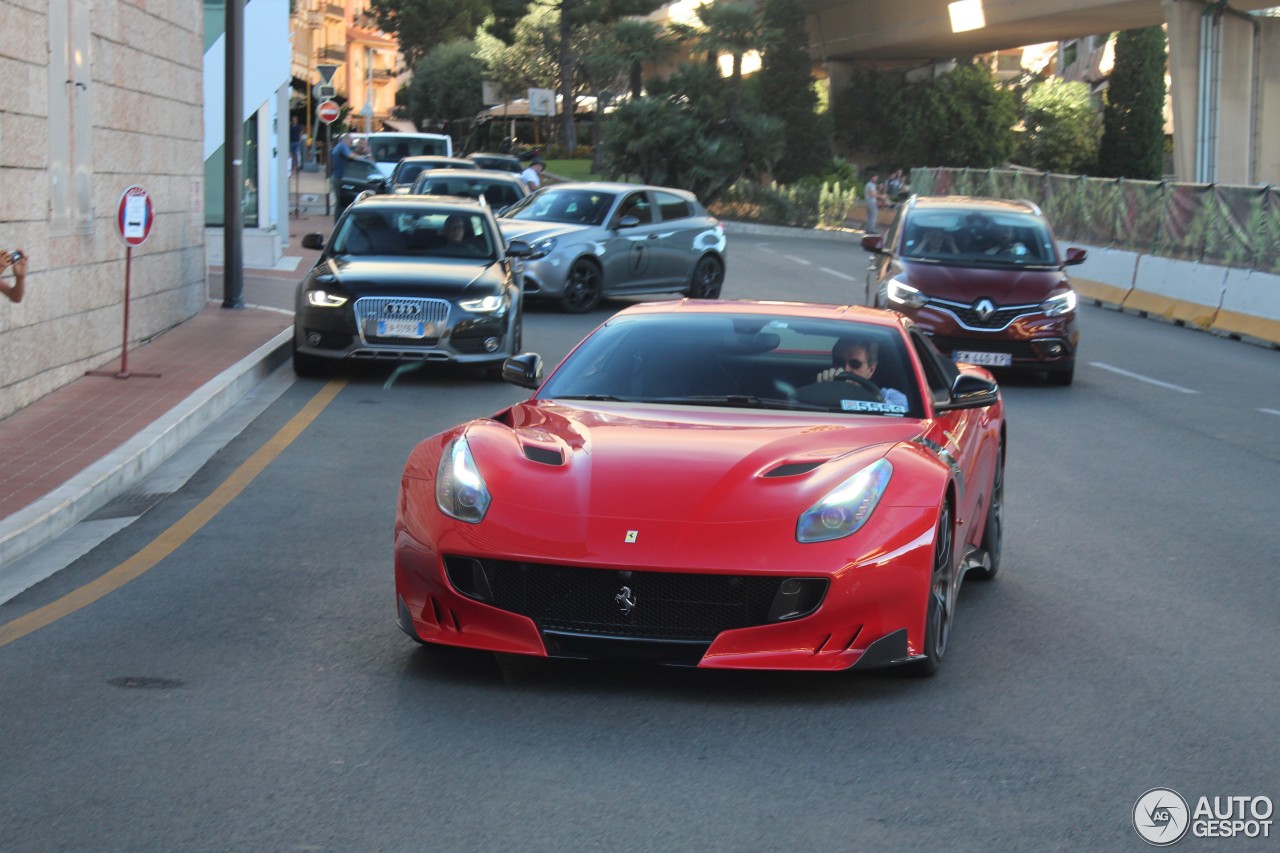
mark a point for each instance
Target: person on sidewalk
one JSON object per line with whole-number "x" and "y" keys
{"x": 338, "y": 159}
{"x": 533, "y": 175}
{"x": 17, "y": 259}
{"x": 295, "y": 142}
{"x": 874, "y": 198}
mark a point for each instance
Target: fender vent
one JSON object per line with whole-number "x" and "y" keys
{"x": 793, "y": 469}
{"x": 543, "y": 455}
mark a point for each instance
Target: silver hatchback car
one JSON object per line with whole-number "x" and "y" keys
{"x": 591, "y": 240}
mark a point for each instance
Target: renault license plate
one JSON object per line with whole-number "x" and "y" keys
{"x": 401, "y": 329}
{"x": 986, "y": 359}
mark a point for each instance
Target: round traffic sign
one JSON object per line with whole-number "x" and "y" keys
{"x": 327, "y": 112}
{"x": 134, "y": 215}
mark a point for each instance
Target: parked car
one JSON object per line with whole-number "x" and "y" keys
{"x": 500, "y": 162}
{"x": 692, "y": 486}
{"x": 410, "y": 279}
{"x": 408, "y": 170}
{"x": 498, "y": 189}
{"x": 590, "y": 240}
{"x": 984, "y": 278}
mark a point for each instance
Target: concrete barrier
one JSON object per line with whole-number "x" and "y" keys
{"x": 1250, "y": 305}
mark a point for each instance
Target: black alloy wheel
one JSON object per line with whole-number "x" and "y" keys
{"x": 708, "y": 278}
{"x": 937, "y": 629}
{"x": 583, "y": 287}
{"x": 993, "y": 533}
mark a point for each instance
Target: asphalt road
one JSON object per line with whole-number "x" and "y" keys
{"x": 251, "y": 690}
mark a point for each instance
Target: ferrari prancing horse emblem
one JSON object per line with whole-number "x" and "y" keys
{"x": 626, "y": 600}
{"x": 631, "y": 536}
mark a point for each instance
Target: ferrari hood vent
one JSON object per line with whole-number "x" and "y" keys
{"x": 793, "y": 469}
{"x": 544, "y": 455}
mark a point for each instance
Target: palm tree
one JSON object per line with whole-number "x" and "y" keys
{"x": 639, "y": 42}
{"x": 732, "y": 28}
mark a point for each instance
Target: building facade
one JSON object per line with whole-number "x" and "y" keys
{"x": 96, "y": 97}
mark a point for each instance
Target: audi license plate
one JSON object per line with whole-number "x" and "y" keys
{"x": 401, "y": 329}
{"x": 986, "y": 359}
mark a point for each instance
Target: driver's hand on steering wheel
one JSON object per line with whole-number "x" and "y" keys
{"x": 830, "y": 374}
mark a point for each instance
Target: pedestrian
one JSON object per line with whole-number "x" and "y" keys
{"x": 338, "y": 158}
{"x": 874, "y": 198}
{"x": 295, "y": 142}
{"x": 17, "y": 260}
{"x": 533, "y": 175}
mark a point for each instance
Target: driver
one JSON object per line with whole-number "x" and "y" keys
{"x": 860, "y": 357}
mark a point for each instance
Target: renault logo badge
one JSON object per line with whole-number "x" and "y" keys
{"x": 984, "y": 308}
{"x": 626, "y": 600}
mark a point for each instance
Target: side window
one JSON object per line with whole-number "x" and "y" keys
{"x": 357, "y": 170}
{"x": 939, "y": 371}
{"x": 637, "y": 205}
{"x": 671, "y": 206}
{"x": 895, "y": 228}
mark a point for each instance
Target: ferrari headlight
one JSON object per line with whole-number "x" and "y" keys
{"x": 904, "y": 294}
{"x": 1063, "y": 303}
{"x": 460, "y": 490}
{"x": 324, "y": 299}
{"x": 487, "y": 305}
{"x": 541, "y": 248}
{"x": 847, "y": 507}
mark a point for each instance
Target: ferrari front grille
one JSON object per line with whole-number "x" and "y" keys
{"x": 608, "y": 602}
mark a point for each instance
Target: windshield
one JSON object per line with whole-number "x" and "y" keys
{"x": 394, "y": 147}
{"x": 416, "y": 232}
{"x": 743, "y": 361}
{"x": 497, "y": 192}
{"x": 580, "y": 206}
{"x": 977, "y": 237}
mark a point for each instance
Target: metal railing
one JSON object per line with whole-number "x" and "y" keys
{"x": 334, "y": 52}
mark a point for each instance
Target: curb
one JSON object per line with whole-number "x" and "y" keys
{"x": 45, "y": 519}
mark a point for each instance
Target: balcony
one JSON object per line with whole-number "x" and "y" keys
{"x": 333, "y": 53}
{"x": 335, "y": 10}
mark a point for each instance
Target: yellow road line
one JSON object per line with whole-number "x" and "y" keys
{"x": 182, "y": 530}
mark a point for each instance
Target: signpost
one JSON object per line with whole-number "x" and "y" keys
{"x": 135, "y": 214}
{"x": 328, "y": 113}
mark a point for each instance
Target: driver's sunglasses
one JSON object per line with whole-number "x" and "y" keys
{"x": 854, "y": 363}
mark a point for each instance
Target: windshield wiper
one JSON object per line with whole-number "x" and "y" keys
{"x": 595, "y": 398}
{"x": 741, "y": 401}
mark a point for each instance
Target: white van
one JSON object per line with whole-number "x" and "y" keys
{"x": 390, "y": 147}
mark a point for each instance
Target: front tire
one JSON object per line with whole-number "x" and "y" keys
{"x": 993, "y": 533}
{"x": 708, "y": 278}
{"x": 1063, "y": 377}
{"x": 583, "y": 287}
{"x": 940, "y": 612}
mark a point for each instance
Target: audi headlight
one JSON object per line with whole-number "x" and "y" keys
{"x": 541, "y": 248}
{"x": 847, "y": 507}
{"x": 324, "y": 299}
{"x": 904, "y": 294}
{"x": 485, "y": 305}
{"x": 1063, "y": 303}
{"x": 460, "y": 490}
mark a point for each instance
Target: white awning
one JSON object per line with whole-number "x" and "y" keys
{"x": 400, "y": 125}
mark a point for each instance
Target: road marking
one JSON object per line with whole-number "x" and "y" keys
{"x": 767, "y": 249}
{"x": 182, "y": 530}
{"x": 798, "y": 260}
{"x": 1270, "y": 412}
{"x": 1147, "y": 379}
{"x": 837, "y": 274}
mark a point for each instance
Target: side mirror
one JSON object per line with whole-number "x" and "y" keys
{"x": 519, "y": 249}
{"x": 524, "y": 369}
{"x": 313, "y": 241}
{"x": 628, "y": 222}
{"x": 1074, "y": 256}
{"x": 970, "y": 392}
{"x": 873, "y": 243}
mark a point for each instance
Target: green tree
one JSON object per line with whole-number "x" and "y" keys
{"x": 732, "y": 28}
{"x": 1063, "y": 128}
{"x": 419, "y": 26}
{"x": 1133, "y": 121}
{"x": 788, "y": 94}
{"x": 446, "y": 87}
{"x": 639, "y": 42}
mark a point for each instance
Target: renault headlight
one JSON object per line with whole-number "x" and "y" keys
{"x": 324, "y": 299}
{"x": 847, "y": 507}
{"x": 901, "y": 293}
{"x": 1063, "y": 303}
{"x": 460, "y": 490}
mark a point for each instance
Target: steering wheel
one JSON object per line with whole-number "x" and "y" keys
{"x": 844, "y": 386}
{"x": 866, "y": 384}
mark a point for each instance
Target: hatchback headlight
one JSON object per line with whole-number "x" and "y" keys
{"x": 904, "y": 294}
{"x": 324, "y": 299}
{"x": 485, "y": 305}
{"x": 541, "y": 248}
{"x": 460, "y": 490}
{"x": 1063, "y": 303}
{"x": 847, "y": 507}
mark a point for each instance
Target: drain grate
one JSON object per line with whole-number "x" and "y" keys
{"x": 128, "y": 506}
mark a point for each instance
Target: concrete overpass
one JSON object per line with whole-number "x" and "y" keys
{"x": 1224, "y": 65}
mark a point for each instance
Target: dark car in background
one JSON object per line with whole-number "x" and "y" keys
{"x": 359, "y": 176}
{"x": 984, "y": 278}
{"x": 589, "y": 240}
{"x": 498, "y": 189}
{"x": 500, "y": 162}
{"x": 409, "y": 279}
{"x": 408, "y": 169}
